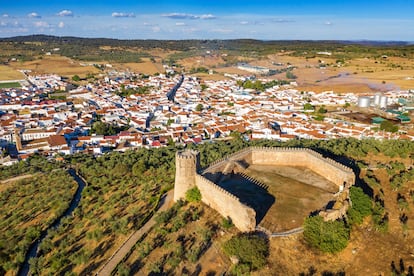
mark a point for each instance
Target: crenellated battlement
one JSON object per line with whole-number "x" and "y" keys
{"x": 229, "y": 205}
{"x": 255, "y": 181}
{"x": 186, "y": 155}
{"x": 249, "y": 150}
{"x": 201, "y": 180}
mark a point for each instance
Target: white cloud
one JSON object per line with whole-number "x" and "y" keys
{"x": 5, "y": 24}
{"x": 180, "y": 24}
{"x": 283, "y": 20}
{"x": 41, "y": 24}
{"x": 5, "y": 15}
{"x": 34, "y": 15}
{"x": 207, "y": 16}
{"x": 328, "y": 23}
{"x": 156, "y": 29}
{"x": 175, "y": 15}
{"x": 13, "y": 31}
{"x": 61, "y": 25}
{"x": 222, "y": 31}
{"x": 65, "y": 13}
{"x": 121, "y": 14}
{"x": 244, "y": 22}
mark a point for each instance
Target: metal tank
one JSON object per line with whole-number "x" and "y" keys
{"x": 383, "y": 102}
{"x": 364, "y": 101}
{"x": 377, "y": 98}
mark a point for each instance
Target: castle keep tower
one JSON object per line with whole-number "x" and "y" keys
{"x": 187, "y": 163}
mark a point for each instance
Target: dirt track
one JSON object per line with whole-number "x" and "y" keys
{"x": 121, "y": 252}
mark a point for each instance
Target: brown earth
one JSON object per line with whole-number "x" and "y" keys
{"x": 294, "y": 199}
{"x": 369, "y": 252}
{"x": 8, "y": 73}
{"x": 212, "y": 260}
{"x": 357, "y": 75}
{"x": 144, "y": 67}
{"x": 55, "y": 64}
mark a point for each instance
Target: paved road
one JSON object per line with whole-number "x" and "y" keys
{"x": 121, "y": 252}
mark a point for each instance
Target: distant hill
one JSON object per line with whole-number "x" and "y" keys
{"x": 186, "y": 53}
{"x": 188, "y": 44}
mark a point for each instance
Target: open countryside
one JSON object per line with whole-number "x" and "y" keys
{"x": 228, "y": 138}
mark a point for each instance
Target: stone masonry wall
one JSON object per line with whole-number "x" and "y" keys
{"x": 328, "y": 168}
{"x": 186, "y": 163}
{"x": 228, "y": 205}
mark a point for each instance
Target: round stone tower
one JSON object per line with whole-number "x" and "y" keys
{"x": 187, "y": 163}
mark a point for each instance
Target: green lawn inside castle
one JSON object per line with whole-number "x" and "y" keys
{"x": 268, "y": 189}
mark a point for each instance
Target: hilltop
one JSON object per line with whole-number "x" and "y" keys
{"x": 123, "y": 189}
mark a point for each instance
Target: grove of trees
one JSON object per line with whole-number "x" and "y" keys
{"x": 29, "y": 207}
{"x": 123, "y": 188}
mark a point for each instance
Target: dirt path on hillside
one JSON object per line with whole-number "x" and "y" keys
{"x": 7, "y": 183}
{"x": 121, "y": 252}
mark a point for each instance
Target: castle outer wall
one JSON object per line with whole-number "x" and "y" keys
{"x": 297, "y": 157}
{"x": 186, "y": 167}
{"x": 228, "y": 205}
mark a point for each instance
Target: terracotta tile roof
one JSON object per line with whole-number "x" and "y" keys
{"x": 56, "y": 140}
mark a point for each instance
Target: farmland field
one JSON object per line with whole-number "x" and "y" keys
{"x": 7, "y": 74}
{"x": 9, "y": 85}
{"x": 56, "y": 65}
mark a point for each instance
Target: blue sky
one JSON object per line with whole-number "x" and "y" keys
{"x": 258, "y": 19}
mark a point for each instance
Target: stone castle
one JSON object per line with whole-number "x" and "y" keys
{"x": 189, "y": 175}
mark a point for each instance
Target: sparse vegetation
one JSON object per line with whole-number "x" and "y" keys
{"x": 170, "y": 244}
{"x": 123, "y": 187}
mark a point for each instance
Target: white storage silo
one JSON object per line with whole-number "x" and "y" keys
{"x": 377, "y": 98}
{"x": 364, "y": 101}
{"x": 383, "y": 102}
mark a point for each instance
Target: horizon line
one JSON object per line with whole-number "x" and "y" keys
{"x": 409, "y": 42}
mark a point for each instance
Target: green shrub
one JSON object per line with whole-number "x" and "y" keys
{"x": 327, "y": 236}
{"x": 193, "y": 195}
{"x": 227, "y": 223}
{"x": 361, "y": 206}
{"x": 250, "y": 249}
